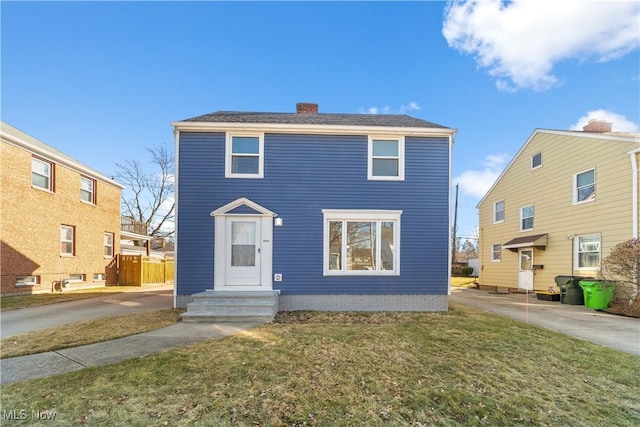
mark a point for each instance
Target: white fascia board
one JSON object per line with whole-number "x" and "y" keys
{"x": 310, "y": 128}
{"x": 133, "y": 236}
{"x": 49, "y": 155}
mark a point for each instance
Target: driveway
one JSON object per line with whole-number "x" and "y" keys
{"x": 14, "y": 322}
{"x": 617, "y": 332}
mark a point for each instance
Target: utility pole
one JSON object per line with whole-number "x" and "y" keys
{"x": 454, "y": 230}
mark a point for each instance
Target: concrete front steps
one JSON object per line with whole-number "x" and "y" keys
{"x": 232, "y": 307}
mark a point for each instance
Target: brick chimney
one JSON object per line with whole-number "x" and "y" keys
{"x": 597, "y": 126}
{"x": 306, "y": 108}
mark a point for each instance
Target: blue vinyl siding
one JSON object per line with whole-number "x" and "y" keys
{"x": 304, "y": 174}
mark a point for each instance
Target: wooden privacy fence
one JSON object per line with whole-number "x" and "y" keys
{"x": 138, "y": 270}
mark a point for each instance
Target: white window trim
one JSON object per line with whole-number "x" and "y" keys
{"x": 228, "y": 156}
{"x": 102, "y": 277}
{"x": 29, "y": 280}
{"x": 79, "y": 278}
{"x": 540, "y": 165}
{"x": 576, "y": 253}
{"x": 93, "y": 190}
{"x": 522, "y": 217}
{"x": 51, "y": 176}
{"x": 495, "y": 211}
{"x": 492, "y": 253}
{"x": 361, "y": 215}
{"x": 400, "y": 158}
{"x": 574, "y": 189}
{"x": 104, "y": 238}
{"x": 73, "y": 241}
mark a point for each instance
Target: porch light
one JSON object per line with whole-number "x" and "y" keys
{"x": 278, "y": 222}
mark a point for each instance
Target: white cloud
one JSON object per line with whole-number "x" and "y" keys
{"x": 477, "y": 182}
{"x": 403, "y": 109}
{"x": 619, "y": 123}
{"x": 519, "y": 42}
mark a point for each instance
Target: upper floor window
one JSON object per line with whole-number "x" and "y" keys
{"x": 496, "y": 252}
{"x": 498, "y": 211}
{"x": 361, "y": 242}
{"x": 87, "y": 190}
{"x": 108, "y": 244}
{"x": 386, "y": 159}
{"x": 584, "y": 186}
{"x": 536, "y": 160}
{"x": 67, "y": 240}
{"x": 587, "y": 252}
{"x": 42, "y": 174}
{"x": 244, "y": 156}
{"x": 526, "y": 218}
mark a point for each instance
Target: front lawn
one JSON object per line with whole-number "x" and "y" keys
{"x": 461, "y": 368}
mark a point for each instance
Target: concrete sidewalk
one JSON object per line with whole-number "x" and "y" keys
{"x": 72, "y": 359}
{"x": 617, "y": 332}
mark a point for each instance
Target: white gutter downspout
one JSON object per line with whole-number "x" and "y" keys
{"x": 634, "y": 189}
{"x": 176, "y": 167}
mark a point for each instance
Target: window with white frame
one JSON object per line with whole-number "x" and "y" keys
{"x": 27, "y": 280}
{"x": 496, "y": 252}
{"x": 41, "y": 174}
{"x": 536, "y": 160}
{"x": 76, "y": 278}
{"x": 67, "y": 240}
{"x": 87, "y": 190}
{"x": 526, "y": 218}
{"x": 386, "y": 158}
{"x": 361, "y": 242}
{"x": 587, "y": 252}
{"x": 584, "y": 186}
{"x": 108, "y": 245}
{"x": 244, "y": 156}
{"x": 498, "y": 211}
{"x": 99, "y": 277}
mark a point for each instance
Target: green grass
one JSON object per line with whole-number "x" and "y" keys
{"x": 86, "y": 332}
{"x": 461, "y": 368}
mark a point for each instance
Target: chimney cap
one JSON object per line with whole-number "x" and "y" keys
{"x": 306, "y": 108}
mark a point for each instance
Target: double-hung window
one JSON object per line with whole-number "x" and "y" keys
{"x": 244, "y": 156}
{"x": 67, "y": 240}
{"x": 587, "y": 252}
{"x": 87, "y": 190}
{"x": 41, "y": 174}
{"x": 526, "y": 218}
{"x": 498, "y": 212}
{"x": 496, "y": 252}
{"x": 108, "y": 245}
{"x": 361, "y": 242}
{"x": 386, "y": 158}
{"x": 584, "y": 186}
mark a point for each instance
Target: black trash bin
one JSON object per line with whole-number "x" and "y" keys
{"x": 570, "y": 290}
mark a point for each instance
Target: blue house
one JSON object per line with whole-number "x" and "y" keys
{"x": 310, "y": 211}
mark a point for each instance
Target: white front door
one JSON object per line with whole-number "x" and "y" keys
{"x": 243, "y": 238}
{"x": 525, "y": 267}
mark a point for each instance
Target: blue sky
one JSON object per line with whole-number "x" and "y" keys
{"x": 102, "y": 81}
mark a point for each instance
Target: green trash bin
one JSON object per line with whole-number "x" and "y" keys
{"x": 597, "y": 293}
{"x": 570, "y": 290}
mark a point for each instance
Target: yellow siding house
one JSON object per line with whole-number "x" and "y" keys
{"x": 565, "y": 200}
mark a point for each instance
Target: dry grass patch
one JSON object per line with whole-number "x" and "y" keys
{"x": 463, "y": 282}
{"x": 461, "y": 368}
{"x": 87, "y": 332}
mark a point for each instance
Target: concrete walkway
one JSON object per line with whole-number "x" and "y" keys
{"x": 617, "y": 332}
{"x": 72, "y": 359}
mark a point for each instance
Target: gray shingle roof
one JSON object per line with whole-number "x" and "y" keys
{"x": 384, "y": 120}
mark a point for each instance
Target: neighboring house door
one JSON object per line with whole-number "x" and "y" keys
{"x": 243, "y": 251}
{"x": 525, "y": 267}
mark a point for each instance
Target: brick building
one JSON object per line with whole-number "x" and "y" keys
{"x": 59, "y": 219}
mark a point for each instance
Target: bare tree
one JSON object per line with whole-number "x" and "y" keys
{"x": 149, "y": 196}
{"x": 623, "y": 265}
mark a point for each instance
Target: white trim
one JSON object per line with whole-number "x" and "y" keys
{"x": 312, "y": 129}
{"x": 93, "y": 200}
{"x": 365, "y": 216}
{"x": 400, "y": 158}
{"x": 50, "y": 177}
{"x": 228, "y": 155}
{"x": 532, "y": 217}
{"x": 504, "y": 207}
{"x": 576, "y": 252}
{"x": 532, "y": 167}
{"x": 575, "y": 187}
{"x": 176, "y": 167}
{"x": 634, "y": 192}
{"x": 33, "y": 280}
{"x": 492, "y": 252}
{"x": 243, "y": 201}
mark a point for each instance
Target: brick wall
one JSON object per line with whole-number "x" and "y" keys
{"x": 30, "y": 221}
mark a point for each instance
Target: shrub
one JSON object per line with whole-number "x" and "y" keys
{"x": 467, "y": 271}
{"x": 623, "y": 265}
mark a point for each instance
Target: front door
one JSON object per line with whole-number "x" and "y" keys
{"x": 243, "y": 251}
{"x": 525, "y": 274}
